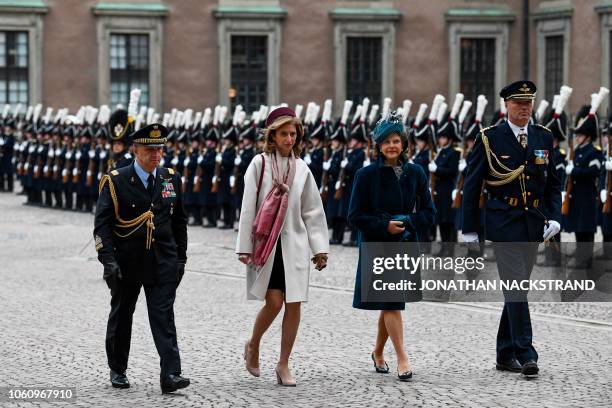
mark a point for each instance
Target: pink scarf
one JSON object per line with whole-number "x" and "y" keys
{"x": 271, "y": 215}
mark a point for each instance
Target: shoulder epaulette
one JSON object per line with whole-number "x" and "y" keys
{"x": 458, "y": 149}
{"x": 487, "y": 128}
{"x": 597, "y": 147}
{"x": 562, "y": 151}
{"x": 171, "y": 171}
{"x": 115, "y": 172}
{"x": 543, "y": 127}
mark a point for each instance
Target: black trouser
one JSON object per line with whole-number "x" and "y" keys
{"x": 58, "y": 198}
{"x": 210, "y": 212}
{"x": 229, "y": 214}
{"x": 48, "y": 198}
{"x": 69, "y": 198}
{"x": 607, "y": 246}
{"x": 160, "y": 306}
{"x": 194, "y": 211}
{"x": 338, "y": 226}
{"x": 584, "y": 248}
{"x": 514, "y": 336}
{"x": 448, "y": 235}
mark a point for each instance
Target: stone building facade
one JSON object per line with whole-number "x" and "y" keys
{"x": 198, "y": 53}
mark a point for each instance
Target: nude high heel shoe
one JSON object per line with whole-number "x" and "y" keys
{"x": 286, "y": 382}
{"x": 254, "y": 371}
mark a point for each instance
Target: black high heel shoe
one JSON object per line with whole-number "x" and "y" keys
{"x": 380, "y": 369}
{"x": 405, "y": 376}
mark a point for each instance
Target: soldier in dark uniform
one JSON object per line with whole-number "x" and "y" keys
{"x": 333, "y": 169}
{"x": 314, "y": 158}
{"x": 46, "y": 160}
{"x": 583, "y": 175}
{"x": 208, "y": 198}
{"x": 422, "y": 135}
{"x": 524, "y": 208}
{"x": 83, "y": 156}
{"x": 190, "y": 165}
{"x": 56, "y": 169}
{"x": 226, "y": 164}
{"x": 605, "y": 191}
{"x": 242, "y": 162}
{"x": 445, "y": 170}
{"x": 353, "y": 161}
{"x": 7, "y": 144}
{"x": 141, "y": 239}
{"x": 119, "y": 126}
{"x": 67, "y": 160}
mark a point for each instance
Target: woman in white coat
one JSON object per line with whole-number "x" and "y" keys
{"x": 279, "y": 273}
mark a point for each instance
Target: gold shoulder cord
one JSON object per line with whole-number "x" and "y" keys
{"x": 146, "y": 217}
{"x": 504, "y": 178}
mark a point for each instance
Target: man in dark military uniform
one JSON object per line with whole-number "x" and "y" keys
{"x": 583, "y": 175}
{"x": 423, "y": 134}
{"x": 190, "y": 165}
{"x": 84, "y": 155}
{"x": 445, "y": 169}
{"x": 314, "y": 159}
{"x": 7, "y": 144}
{"x": 67, "y": 160}
{"x": 524, "y": 208}
{"x": 141, "y": 237}
{"x": 605, "y": 191}
{"x": 333, "y": 169}
{"x": 353, "y": 161}
{"x": 225, "y": 164}
{"x": 208, "y": 198}
{"x": 242, "y": 161}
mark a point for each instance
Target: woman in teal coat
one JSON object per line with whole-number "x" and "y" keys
{"x": 390, "y": 202}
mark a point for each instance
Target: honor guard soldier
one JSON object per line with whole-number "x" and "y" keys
{"x": 67, "y": 161}
{"x": 523, "y": 208}
{"x": 223, "y": 171}
{"x": 353, "y": 161}
{"x": 208, "y": 198}
{"x": 242, "y": 161}
{"x": 7, "y": 151}
{"x": 190, "y": 165}
{"x": 141, "y": 238}
{"x": 120, "y": 125}
{"x": 84, "y": 155}
{"x": 333, "y": 167}
{"x": 423, "y": 134}
{"x": 605, "y": 186}
{"x": 315, "y": 156}
{"x": 445, "y": 169}
{"x": 582, "y": 186}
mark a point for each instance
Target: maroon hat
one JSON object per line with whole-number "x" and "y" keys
{"x": 277, "y": 113}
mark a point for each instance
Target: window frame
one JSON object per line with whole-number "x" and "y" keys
{"x": 131, "y": 74}
{"x": 250, "y": 106}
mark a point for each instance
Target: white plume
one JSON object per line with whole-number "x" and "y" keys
{"x": 172, "y": 120}
{"x": 155, "y": 118}
{"x": 502, "y": 106}
{"x": 555, "y": 102}
{"x": 481, "y": 105}
{"x": 373, "y": 114}
{"x": 346, "y": 110}
{"x": 365, "y": 106}
{"x": 298, "y": 110}
{"x": 150, "y": 113}
{"x": 441, "y": 112}
{"x": 598, "y": 99}
{"x": 457, "y": 105}
{"x": 206, "y": 118}
{"x": 188, "y": 118}
{"x": 357, "y": 114}
{"x": 467, "y": 105}
{"x": 406, "y": 106}
{"x": 420, "y": 114}
{"x": 437, "y": 101}
{"x": 236, "y": 117}
{"x": 133, "y": 105}
{"x": 6, "y": 110}
{"x": 327, "y": 110}
{"x": 166, "y": 119}
{"x": 386, "y": 109}
{"x": 222, "y": 114}
{"x": 17, "y": 110}
{"x": 541, "y": 109}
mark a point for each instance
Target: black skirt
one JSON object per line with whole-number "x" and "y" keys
{"x": 277, "y": 278}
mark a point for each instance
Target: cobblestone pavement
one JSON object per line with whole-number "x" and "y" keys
{"x": 54, "y": 305}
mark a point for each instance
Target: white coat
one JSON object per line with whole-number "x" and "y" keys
{"x": 303, "y": 234}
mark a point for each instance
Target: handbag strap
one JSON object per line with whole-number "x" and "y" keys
{"x": 263, "y": 167}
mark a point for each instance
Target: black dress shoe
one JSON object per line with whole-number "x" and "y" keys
{"x": 173, "y": 383}
{"x": 119, "y": 380}
{"x": 511, "y": 365}
{"x": 530, "y": 369}
{"x": 224, "y": 227}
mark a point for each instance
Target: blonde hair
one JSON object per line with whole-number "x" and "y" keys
{"x": 270, "y": 147}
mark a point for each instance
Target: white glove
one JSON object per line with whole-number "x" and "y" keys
{"x": 366, "y": 162}
{"x": 46, "y": 169}
{"x": 183, "y": 180}
{"x": 432, "y": 167}
{"x": 219, "y": 158}
{"x": 200, "y": 158}
{"x": 343, "y": 163}
{"x": 75, "y": 172}
{"x": 454, "y": 194}
{"x": 232, "y": 181}
{"x": 470, "y": 237}
{"x": 562, "y": 196}
{"x": 237, "y": 161}
{"x": 214, "y": 179}
{"x": 603, "y": 194}
{"x": 77, "y": 156}
{"x": 609, "y": 164}
{"x": 410, "y": 161}
{"x": 307, "y": 159}
{"x": 102, "y": 154}
{"x": 569, "y": 168}
{"x": 195, "y": 180}
{"x": 462, "y": 164}
{"x": 174, "y": 161}
{"x": 326, "y": 165}
{"x": 92, "y": 154}
{"x": 551, "y": 230}
{"x": 186, "y": 162}
{"x": 68, "y": 155}
{"x": 338, "y": 185}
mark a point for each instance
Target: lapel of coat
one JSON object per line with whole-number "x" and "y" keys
{"x": 511, "y": 138}
{"x": 158, "y": 185}
{"x": 135, "y": 180}
{"x": 531, "y": 141}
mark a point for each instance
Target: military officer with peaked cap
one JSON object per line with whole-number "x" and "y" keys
{"x": 524, "y": 208}
{"x": 141, "y": 238}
